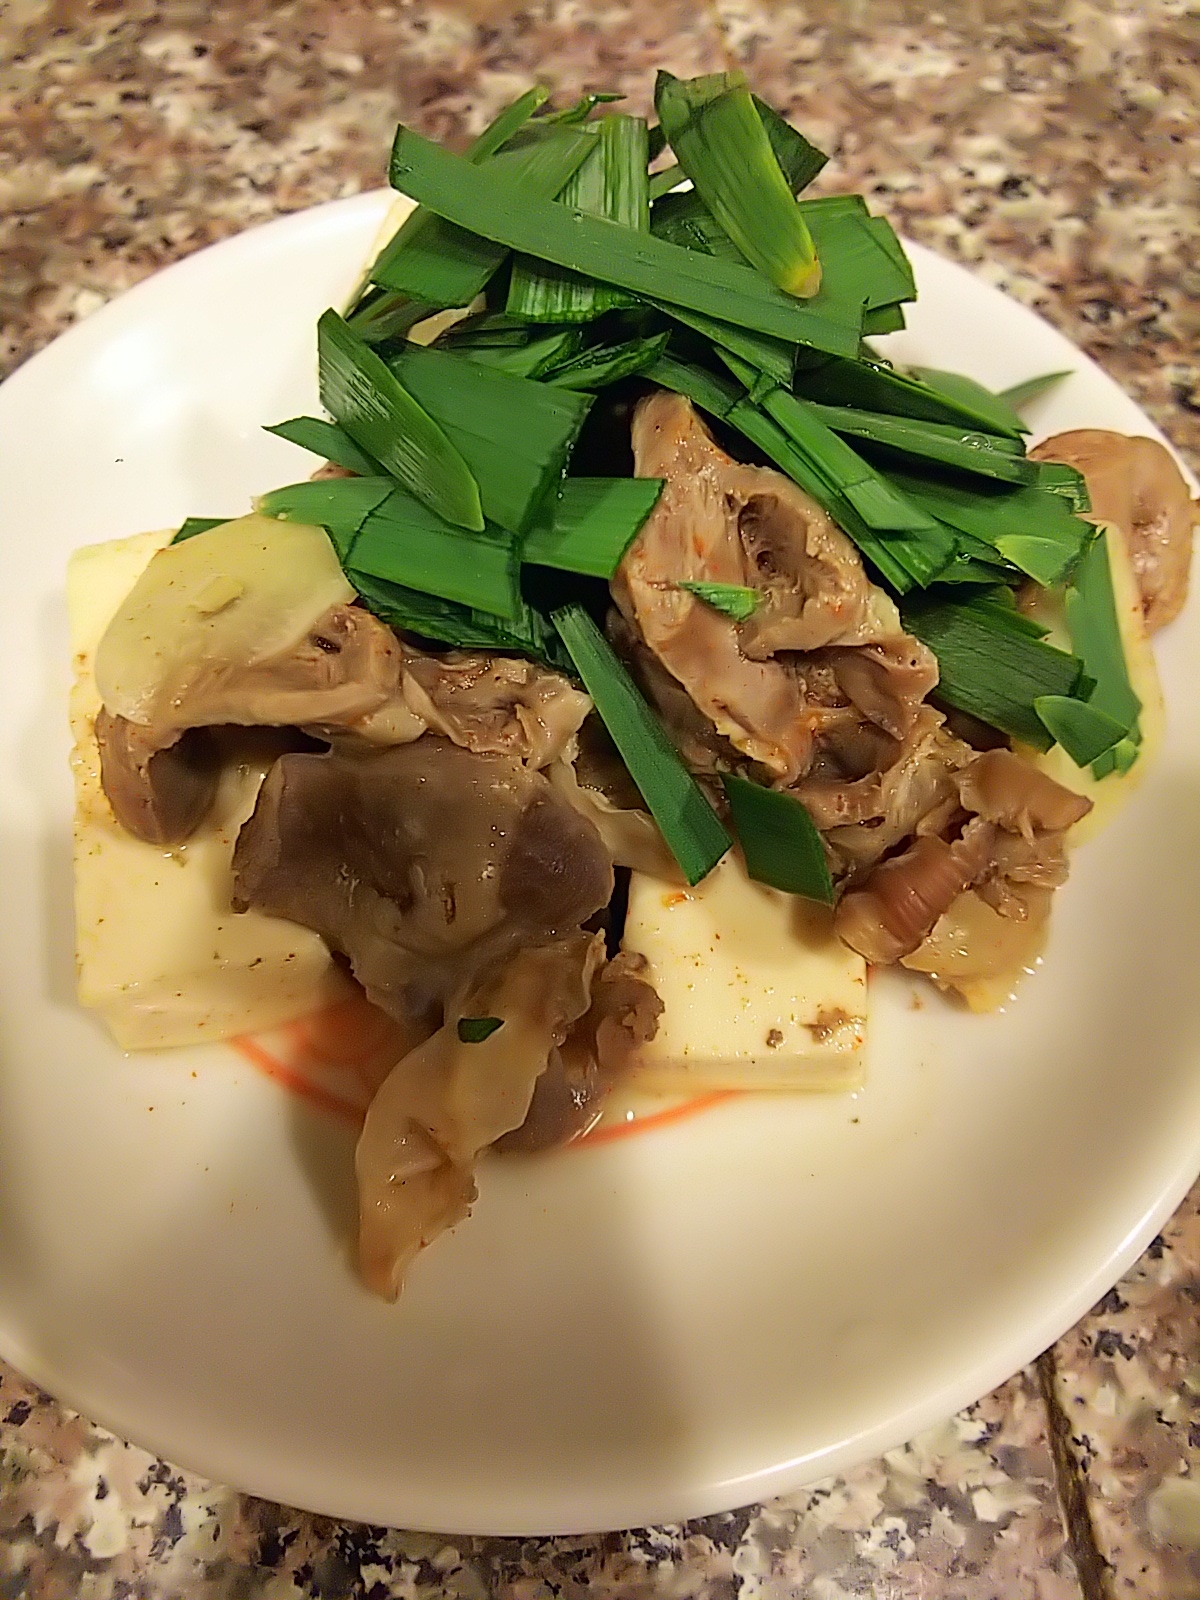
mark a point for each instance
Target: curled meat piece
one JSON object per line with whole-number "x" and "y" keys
{"x": 704, "y": 750}
{"x": 421, "y": 863}
{"x": 721, "y": 522}
{"x": 591, "y": 776}
{"x": 158, "y": 795}
{"x": 1135, "y": 483}
{"x": 1006, "y": 790}
{"x": 1018, "y": 863}
{"x": 494, "y": 705}
{"x": 1014, "y": 841}
{"x": 979, "y": 953}
{"x": 912, "y": 792}
{"x": 346, "y": 667}
{"x": 448, "y": 1100}
{"x": 887, "y": 680}
{"x": 814, "y": 591}
{"x": 597, "y": 1051}
{"x": 904, "y": 897}
{"x": 630, "y": 834}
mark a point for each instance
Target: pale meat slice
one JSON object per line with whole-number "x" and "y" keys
{"x": 870, "y": 792}
{"x": 1135, "y": 483}
{"x": 154, "y": 774}
{"x": 349, "y": 677}
{"x": 492, "y": 704}
{"x": 449, "y": 1099}
{"x": 599, "y": 1049}
{"x": 692, "y": 536}
{"x": 722, "y": 522}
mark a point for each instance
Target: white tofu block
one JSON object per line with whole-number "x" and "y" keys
{"x": 160, "y": 953}
{"x": 757, "y": 991}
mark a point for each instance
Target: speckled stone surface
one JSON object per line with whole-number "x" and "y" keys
{"x": 1055, "y": 148}
{"x": 1128, "y": 1386}
{"x": 968, "y": 1510}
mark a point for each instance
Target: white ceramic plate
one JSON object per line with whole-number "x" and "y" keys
{"x": 653, "y": 1329}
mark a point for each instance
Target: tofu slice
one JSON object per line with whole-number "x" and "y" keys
{"x": 160, "y": 954}
{"x": 757, "y": 992}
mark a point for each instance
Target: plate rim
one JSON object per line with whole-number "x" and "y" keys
{"x": 784, "y": 1477}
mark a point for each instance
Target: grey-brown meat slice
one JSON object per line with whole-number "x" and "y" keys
{"x": 421, "y": 863}
{"x": 346, "y": 668}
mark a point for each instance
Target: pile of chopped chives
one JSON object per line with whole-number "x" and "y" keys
{"x": 476, "y": 511}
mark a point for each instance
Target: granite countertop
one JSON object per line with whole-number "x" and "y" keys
{"x": 1053, "y": 147}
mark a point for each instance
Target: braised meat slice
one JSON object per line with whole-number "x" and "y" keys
{"x": 421, "y": 863}
{"x": 346, "y": 667}
{"x": 494, "y": 705}
{"x": 752, "y": 682}
{"x": 1135, "y": 483}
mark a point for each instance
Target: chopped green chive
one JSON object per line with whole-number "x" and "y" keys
{"x": 779, "y": 840}
{"x": 474, "y": 1030}
{"x": 733, "y": 599}
{"x": 448, "y": 265}
{"x": 506, "y": 212}
{"x": 376, "y": 315}
{"x": 1096, "y": 637}
{"x": 949, "y": 445}
{"x": 694, "y": 833}
{"x": 774, "y": 358}
{"x": 1028, "y": 527}
{"x": 404, "y": 542}
{"x": 514, "y": 434}
{"x": 611, "y": 183}
{"x": 339, "y": 505}
{"x": 1084, "y": 732}
{"x": 990, "y": 665}
{"x": 1020, "y": 394}
{"x": 1057, "y": 477}
{"x": 328, "y": 440}
{"x": 685, "y": 220}
{"x": 860, "y": 255}
{"x": 712, "y": 393}
{"x": 580, "y": 111}
{"x": 604, "y": 364}
{"x": 191, "y": 526}
{"x": 799, "y": 160}
{"x": 449, "y": 623}
{"x": 871, "y": 385}
{"x": 723, "y": 147}
{"x": 533, "y": 359}
{"x": 994, "y": 414}
{"x": 883, "y": 319}
{"x": 878, "y": 503}
{"x": 662, "y": 183}
{"x": 380, "y": 530}
{"x": 594, "y": 521}
{"x": 385, "y": 420}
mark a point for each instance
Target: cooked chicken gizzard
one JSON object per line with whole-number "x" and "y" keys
{"x": 348, "y": 677}
{"x": 823, "y": 689}
{"x": 456, "y": 884}
{"x": 1135, "y": 483}
{"x": 422, "y": 863}
{"x": 718, "y": 521}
